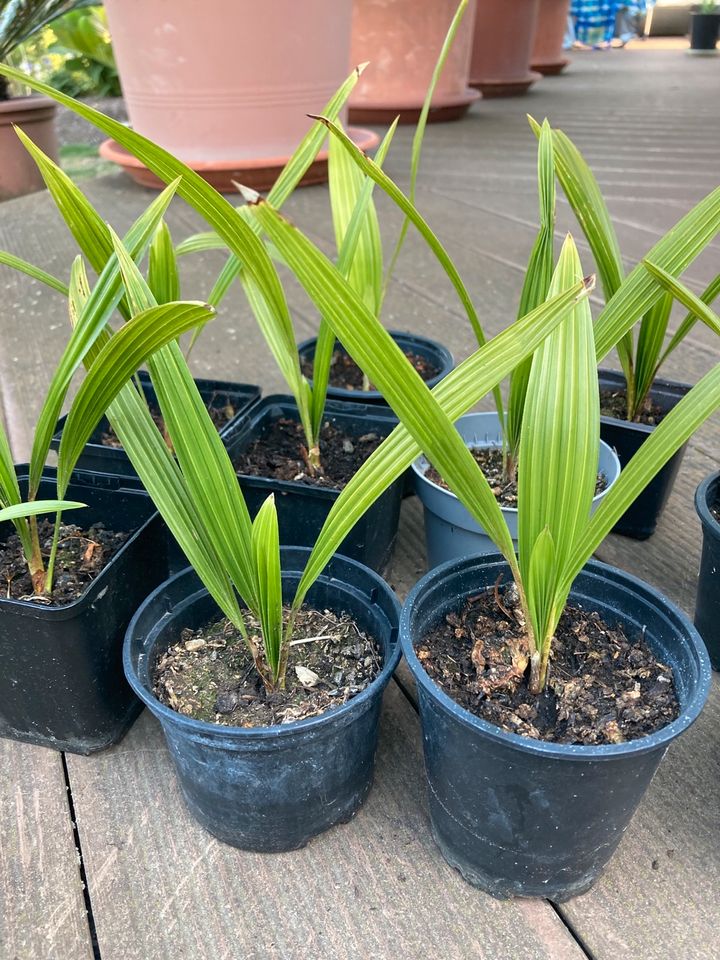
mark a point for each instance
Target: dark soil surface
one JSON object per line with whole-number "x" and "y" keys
{"x": 220, "y": 408}
{"x": 490, "y": 461}
{"x": 603, "y": 687}
{"x": 82, "y": 555}
{"x": 347, "y": 375}
{"x": 613, "y": 403}
{"x": 210, "y": 675}
{"x": 281, "y": 453}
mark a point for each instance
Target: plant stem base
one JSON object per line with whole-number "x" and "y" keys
{"x": 442, "y": 110}
{"x": 259, "y": 174}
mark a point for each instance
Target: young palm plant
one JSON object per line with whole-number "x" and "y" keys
{"x": 359, "y": 256}
{"x": 107, "y": 368}
{"x": 642, "y": 355}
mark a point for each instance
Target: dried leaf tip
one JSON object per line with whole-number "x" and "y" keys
{"x": 360, "y": 68}
{"x": 247, "y": 193}
{"x": 319, "y": 117}
{"x": 589, "y": 282}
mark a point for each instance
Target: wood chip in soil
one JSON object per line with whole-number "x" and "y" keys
{"x": 490, "y": 461}
{"x": 613, "y": 403}
{"x": 220, "y": 408}
{"x": 347, "y": 375}
{"x": 210, "y": 675}
{"x": 603, "y": 687}
{"x": 82, "y": 555}
{"x": 280, "y": 453}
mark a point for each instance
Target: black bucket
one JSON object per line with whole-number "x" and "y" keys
{"x": 302, "y": 509}
{"x": 62, "y": 683}
{"x": 424, "y": 347}
{"x": 100, "y": 458}
{"x": 274, "y": 788}
{"x": 527, "y": 818}
{"x": 704, "y": 33}
{"x": 707, "y": 603}
{"x": 640, "y": 519}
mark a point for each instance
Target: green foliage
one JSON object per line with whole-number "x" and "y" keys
{"x": 82, "y": 40}
{"x": 641, "y": 357}
{"x": 22, "y": 19}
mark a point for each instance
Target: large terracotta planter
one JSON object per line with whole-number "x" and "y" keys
{"x": 402, "y": 40}
{"x": 36, "y": 116}
{"x": 502, "y": 47}
{"x": 547, "y": 53}
{"x": 226, "y": 85}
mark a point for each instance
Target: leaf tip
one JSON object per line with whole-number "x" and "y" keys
{"x": 360, "y": 68}
{"x": 249, "y": 195}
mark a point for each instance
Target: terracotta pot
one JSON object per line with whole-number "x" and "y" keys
{"x": 18, "y": 172}
{"x": 226, "y": 85}
{"x": 402, "y": 40}
{"x": 502, "y": 47}
{"x": 547, "y": 54}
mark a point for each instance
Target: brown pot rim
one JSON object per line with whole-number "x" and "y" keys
{"x": 23, "y": 110}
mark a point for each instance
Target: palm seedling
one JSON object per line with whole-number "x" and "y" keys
{"x": 643, "y": 354}
{"x": 359, "y": 254}
{"x": 108, "y": 365}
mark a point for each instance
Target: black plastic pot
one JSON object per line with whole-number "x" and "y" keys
{"x": 640, "y": 519}
{"x": 707, "y": 603}
{"x": 62, "y": 683}
{"x": 302, "y": 509}
{"x": 431, "y": 350}
{"x": 274, "y": 788}
{"x": 113, "y": 460}
{"x": 704, "y": 32}
{"x": 524, "y": 817}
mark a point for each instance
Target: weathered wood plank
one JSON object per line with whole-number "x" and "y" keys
{"x": 376, "y": 887}
{"x": 659, "y": 896}
{"x": 42, "y": 911}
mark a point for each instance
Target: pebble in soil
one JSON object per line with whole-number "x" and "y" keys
{"x": 281, "y": 453}
{"x": 613, "y": 403}
{"x": 490, "y": 461}
{"x": 347, "y": 375}
{"x": 715, "y": 510}
{"x": 220, "y": 408}
{"x": 82, "y": 555}
{"x": 210, "y": 675}
{"x": 603, "y": 686}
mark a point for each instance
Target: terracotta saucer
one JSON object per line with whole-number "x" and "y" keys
{"x": 258, "y": 174}
{"x": 443, "y": 109}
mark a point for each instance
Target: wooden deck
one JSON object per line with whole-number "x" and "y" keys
{"x": 98, "y": 857}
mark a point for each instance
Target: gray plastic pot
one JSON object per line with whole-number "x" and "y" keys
{"x": 520, "y": 817}
{"x": 450, "y": 531}
{"x": 707, "y": 602}
{"x": 271, "y": 788}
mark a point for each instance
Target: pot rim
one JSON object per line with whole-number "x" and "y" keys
{"x": 66, "y": 611}
{"x": 549, "y": 749}
{"x": 659, "y": 383}
{"x": 203, "y": 728}
{"x": 444, "y": 354}
{"x": 702, "y": 505}
{"x": 420, "y": 474}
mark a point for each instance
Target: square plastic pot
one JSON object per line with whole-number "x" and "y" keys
{"x": 113, "y": 460}
{"x": 302, "y": 509}
{"x": 62, "y": 683}
{"x": 640, "y": 520}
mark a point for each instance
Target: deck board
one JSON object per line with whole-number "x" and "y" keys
{"x": 42, "y": 910}
{"x": 376, "y": 887}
